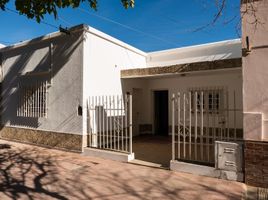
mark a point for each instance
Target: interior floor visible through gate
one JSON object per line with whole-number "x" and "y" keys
{"x": 153, "y": 148}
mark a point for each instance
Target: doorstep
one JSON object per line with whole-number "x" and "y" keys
{"x": 111, "y": 155}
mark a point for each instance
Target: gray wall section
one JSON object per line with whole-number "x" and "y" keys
{"x": 65, "y": 92}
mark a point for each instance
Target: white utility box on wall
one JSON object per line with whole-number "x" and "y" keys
{"x": 229, "y": 158}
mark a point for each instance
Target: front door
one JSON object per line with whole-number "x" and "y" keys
{"x": 161, "y": 112}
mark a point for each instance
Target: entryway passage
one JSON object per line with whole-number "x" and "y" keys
{"x": 153, "y": 150}
{"x": 110, "y": 128}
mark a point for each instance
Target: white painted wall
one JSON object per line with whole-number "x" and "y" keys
{"x": 231, "y": 80}
{"x": 104, "y": 57}
{"x": 206, "y": 52}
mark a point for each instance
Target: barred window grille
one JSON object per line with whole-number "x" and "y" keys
{"x": 32, "y": 100}
{"x": 212, "y": 99}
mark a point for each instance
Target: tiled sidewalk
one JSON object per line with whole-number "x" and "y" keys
{"x": 30, "y": 172}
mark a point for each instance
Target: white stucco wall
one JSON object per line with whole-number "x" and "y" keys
{"x": 104, "y": 57}
{"x": 65, "y": 92}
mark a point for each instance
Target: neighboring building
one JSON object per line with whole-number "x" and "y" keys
{"x": 255, "y": 91}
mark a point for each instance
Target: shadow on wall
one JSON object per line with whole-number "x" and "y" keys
{"x": 25, "y": 57}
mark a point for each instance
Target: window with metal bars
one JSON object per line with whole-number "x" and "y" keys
{"x": 212, "y": 100}
{"x": 32, "y": 99}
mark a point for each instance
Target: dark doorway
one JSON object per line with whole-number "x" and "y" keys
{"x": 161, "y": 112}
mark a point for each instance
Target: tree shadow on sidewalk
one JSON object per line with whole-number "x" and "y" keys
{"x": 29, "y": 172}
{"x": 23, "y": 173}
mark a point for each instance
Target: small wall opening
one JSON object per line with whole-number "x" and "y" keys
{"x": 79, "y": 111}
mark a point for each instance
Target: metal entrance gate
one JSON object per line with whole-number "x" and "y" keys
{"x": 110, "y": 123}
{"x": 199, "y": 118}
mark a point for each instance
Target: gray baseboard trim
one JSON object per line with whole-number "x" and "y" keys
{"x": 205, "y": 171}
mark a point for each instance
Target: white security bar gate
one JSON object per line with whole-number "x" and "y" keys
{"x": 110, "y": 123}
{"x": 199, "y": 118}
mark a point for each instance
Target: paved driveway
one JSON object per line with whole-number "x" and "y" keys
{"x": 30, "y": 172}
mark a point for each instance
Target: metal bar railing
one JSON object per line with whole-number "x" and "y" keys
{"x": 130, "y": 124}
{"x": 173, "y": 128}
{"x": 110, "y": 123}
{"x": 199, "y": 119}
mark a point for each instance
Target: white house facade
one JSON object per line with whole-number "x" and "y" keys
{"x": 52, "y": 88}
